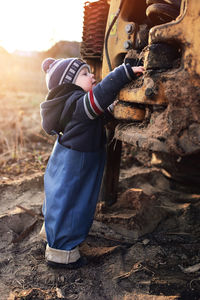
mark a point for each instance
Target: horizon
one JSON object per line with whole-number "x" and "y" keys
{"x": 26, "y": 52}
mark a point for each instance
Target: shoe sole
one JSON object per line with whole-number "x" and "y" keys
{"x": 82, "y": 261}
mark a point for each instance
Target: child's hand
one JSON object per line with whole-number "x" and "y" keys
{"x": 138, "y": 70}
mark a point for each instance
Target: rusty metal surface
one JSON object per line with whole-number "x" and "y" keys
{"x": 160, "y": 12}
{"x": 128, "y": 112}
{"x": 95, "y": 17}
{"x": 151, "y": 92}
{"x": 170, "y": 87}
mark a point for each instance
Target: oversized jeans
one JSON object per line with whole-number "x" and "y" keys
{"x": 72, "y": 183}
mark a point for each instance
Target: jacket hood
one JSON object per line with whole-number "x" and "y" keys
{"x": 51, "y": 109}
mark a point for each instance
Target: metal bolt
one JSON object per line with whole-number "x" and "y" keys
{"x": 129, "y": 28}
{"x": 149, "y": 93}
{"x": 128, "y": 45}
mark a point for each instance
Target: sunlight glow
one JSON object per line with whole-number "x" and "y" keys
{"x": 35, "y": 25}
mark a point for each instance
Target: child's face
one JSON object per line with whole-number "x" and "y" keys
{"x": 85, "y": 80}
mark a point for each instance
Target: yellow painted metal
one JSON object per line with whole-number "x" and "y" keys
{"x": 186, "y": 30}
{"x": 118, "y": 36}
{"x": 117, "y": 53}
{"x": 137, "y": 95}
{"x": 125, "y": 112}
{"x": 116, "y": 39}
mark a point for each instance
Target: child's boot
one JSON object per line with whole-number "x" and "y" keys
{"x": 69, "y": 259}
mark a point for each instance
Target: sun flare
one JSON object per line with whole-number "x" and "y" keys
{"x": 36, "y": 25}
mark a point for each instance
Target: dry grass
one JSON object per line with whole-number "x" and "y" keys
{"x": 24, "y": 148}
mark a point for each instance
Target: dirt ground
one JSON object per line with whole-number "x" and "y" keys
{"x": 144, "y": 247}
{"x": 128, "y": 259}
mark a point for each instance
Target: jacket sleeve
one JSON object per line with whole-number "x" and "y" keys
{"x": 96, "y": 101}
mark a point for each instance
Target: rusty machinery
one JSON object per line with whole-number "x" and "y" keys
{"x": 159, "y": 112}
{"x": 95, "y": 19}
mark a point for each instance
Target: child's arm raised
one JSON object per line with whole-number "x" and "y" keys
{"x": 105, "y": 92}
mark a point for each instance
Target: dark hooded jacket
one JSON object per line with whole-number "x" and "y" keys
{"x": 79, "y": 117}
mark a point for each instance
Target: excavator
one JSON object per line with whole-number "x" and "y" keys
{"x": 159, "y": 112}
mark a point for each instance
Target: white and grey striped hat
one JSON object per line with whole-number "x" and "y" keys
{"x": 59, "y": 71}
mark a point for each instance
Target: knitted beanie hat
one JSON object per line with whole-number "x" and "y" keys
{"x": 59, "y": 71}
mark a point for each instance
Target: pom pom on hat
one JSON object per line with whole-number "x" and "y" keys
{"x": 46, "y": 63}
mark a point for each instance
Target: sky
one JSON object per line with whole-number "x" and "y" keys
{"x": 36, "y": 25}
